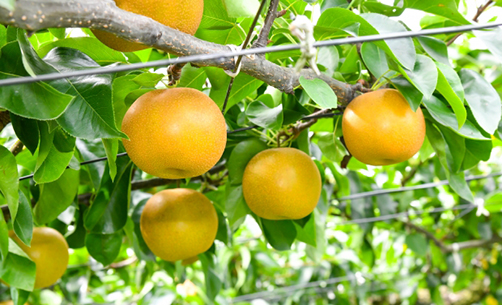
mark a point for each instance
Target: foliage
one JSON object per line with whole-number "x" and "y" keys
{"x": 331, "y": 257}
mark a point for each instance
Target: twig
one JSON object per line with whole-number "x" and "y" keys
{"x": 473, "y": 244}
{"x": 239, "y": 59}
{"x": 411, "y": 174}
{"x": 272, "y": 14}
{"x": 4, "y": 119}
{"x": 480, "y": 11}
{"x": 85, "y": 199}
{"x": 174, "y": 73}
{"x": 124, "y": 263}
{"x": 293, "y": 132}
{"x": 428, "y": 234}
{"x": 455, "y": 247}
{"x": 17, "y": 148}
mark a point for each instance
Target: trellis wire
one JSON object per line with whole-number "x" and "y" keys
{"x": 412, "y": 188}
{"x": 314, "y": 284}
{"x": 280, "y": 48}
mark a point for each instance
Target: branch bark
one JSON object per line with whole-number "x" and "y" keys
{"x": 4, "y": 119}
{"x": 272, "y": 14}
{"x": 34, "y": 15}
{"x": 455, "y": 247}
{"x": 480, "y": 11}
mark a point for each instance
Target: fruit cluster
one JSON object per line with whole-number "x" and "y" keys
{"x": 181, "y": 133}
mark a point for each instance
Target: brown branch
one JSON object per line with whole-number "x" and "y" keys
{"x": 293, "y": 132}
{"x": 174, "y": 73}
{"x": 17, "y": 148}
{"x": 480, "y": 11}
{"x": 456, "y": 246}
{"x": 35, "y": 15}
{"x": 85, "y": 199}
{"x": 124, "y": 263}
{"x": 272, "y": 14}
{"x": 411, "y": 174}
{"x": 4, "y": 119}
{"x": 429, "y": 235}
{"x": 473, "y": 244}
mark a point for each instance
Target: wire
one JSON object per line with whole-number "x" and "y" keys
{"x": 412, "y": 188}
{"x": 405, "y": 214}
{"x": 315, "y": 284}
{"x": 280, "y": 48}
{"x": 82, "y": 163}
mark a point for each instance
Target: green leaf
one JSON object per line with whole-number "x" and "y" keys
{"x": 260, "y": 114}
{"x": 410, "y": 92}
{"x": 307, "y": 232}
{"x": 139, "y": 244}
{"x": 104, "y": 247}
{"x": 92, "y": 105}
{"x": 235, "y": 205}
{"x": 240, "y": 156}
{"x": 18, "y": 99}
{"x": 77, "y": 238}
{"x": 216, "y": 26}
{"x": 108, "y": 212}
{"x": 55, "y": 197}
{"x": 192, "y": 77}
{"x": 26, "y": 131}
{"x": 436, "y": 49}
{"x": 445, "y": 8}
{"x": 91, "y": 46}
{"x": 4, "y": 238}
{"x": 320, "y": 92}
{"x": 406, "y": 55}
{"x": 424, "y": 75}
{"x": 18, "y": 270}
{"x": 380, "y": 8}
{"x": 121, "y": 88}
{"x": 328, "y": 57}
{"x": 450, "y": 87}
{"x": 9, "y": 183}
{"x": 337, "y": 19}
{"x": 23, "y": 225}
{"x": 456, "y": 181}
{"x": 19, "y": 296}
{"x": 417, "y": 243}
{"x": 211, "y": 278}
{"x": 455, "y": 151}
{"x": 460, "y": 186}
{"x": 443, "y": 115}
{"x": 51, "y": 163}
{"x": 331, "y": 148}
{"x": 483, "y": 100}
{"x": 8, "y": 4}
{"x": 111, "y": 149}
{"x": 280, "y": 234}
{"x": 241, "y": 8}
{"x": 148, "y": 79}
{"x": 374, "y": 59}
{"x": 244, "y": 86}
{"x": 493, "y": 40}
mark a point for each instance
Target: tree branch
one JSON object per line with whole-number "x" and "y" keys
{"x": 272, "y": 14}
{"x": 480, "y": 11}
{"x": 34, "y": 15}
{"x": 428, "y": 234}
{"x": 17, "y": 148}
{"x": 455, "y": 247}
{"x": 4, "y": 119}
